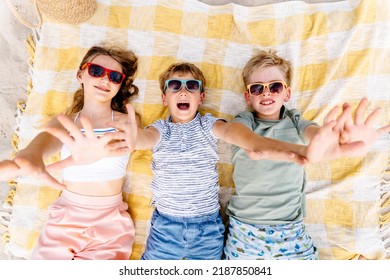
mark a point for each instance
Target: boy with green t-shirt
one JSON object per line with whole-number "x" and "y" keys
{"x": 268, "y": 206}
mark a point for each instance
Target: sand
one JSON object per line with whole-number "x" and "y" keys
{"x": 13, "y": 76}
{"x": 13, "y": 72}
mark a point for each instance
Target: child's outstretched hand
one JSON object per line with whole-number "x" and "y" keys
{"x": 325, "y": 144}
{"x": 344, "y": 136}
{"x": 360, "y": 129}
{"x": 24, "y": 164}
{"x": 84, "y": 147}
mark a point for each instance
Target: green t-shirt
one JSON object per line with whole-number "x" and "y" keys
{"x": 269, "y": 192}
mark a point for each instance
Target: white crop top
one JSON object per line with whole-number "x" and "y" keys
{"x": 105, "y": 169}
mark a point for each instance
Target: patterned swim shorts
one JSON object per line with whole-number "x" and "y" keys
{"x": 276, "y": 242}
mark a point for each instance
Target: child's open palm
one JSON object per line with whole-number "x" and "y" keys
{"x": 345, "y": 136}
{"x": 360, "y": 129}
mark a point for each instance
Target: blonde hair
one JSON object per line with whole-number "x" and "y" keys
{"x": 129, "y": 63}
{"x": 264, "y": 59}
{"x": 182, "y": 68}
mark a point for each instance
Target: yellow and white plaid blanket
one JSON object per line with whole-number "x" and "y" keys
{"x": 340, "y": 52}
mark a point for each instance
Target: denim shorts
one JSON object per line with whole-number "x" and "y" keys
{"x": 178, "y": 238}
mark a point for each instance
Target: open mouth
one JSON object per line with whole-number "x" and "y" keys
{"x": 183, "y": 105}
{"x": 267, "y": 102}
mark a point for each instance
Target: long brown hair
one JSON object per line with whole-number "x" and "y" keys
{"x": 129, "y": 63}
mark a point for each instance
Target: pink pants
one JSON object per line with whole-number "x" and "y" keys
{"x": 87, "y": 228}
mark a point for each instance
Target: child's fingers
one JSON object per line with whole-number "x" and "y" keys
{"x": 113, "y": 136}
{"x": 360, "y": 111}
{"x": 373, "y": 118}
{"x": 119, "y": 126}
{"x": 331, "y": 115}
{"x": 130, "y": 112}
{"x": 384, "y": 129}
{"x": 88, "y": 128}
{"x": 349, "y": 121}
{"x": 130, "y": 125}
{"x": 70, "y": 126}
{"x": 114, "y": 145}
{"x": 352, "y": 149}
{"x": 61, "y": 134}
{"x": 59, "y": 165}
{"x": 132, "y": 122}
{"x": 343, "y": 118}
{"x": 344, "y": 138}
{"x": 321, "y": 142}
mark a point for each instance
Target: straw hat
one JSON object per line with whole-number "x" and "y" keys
{"x": 69, "y": 11}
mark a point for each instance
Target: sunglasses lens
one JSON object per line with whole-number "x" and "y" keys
{"x": 256, "y": 89}
{"x": 116, "y": 77}
{"x": 96, "y": 70}
{"x": 193, "y": 85}
{"x": 174, "y": 85}
{"x": 276, "y": 87}
{"x": 99, "y": 71}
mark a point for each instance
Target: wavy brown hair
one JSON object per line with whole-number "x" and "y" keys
{"x": 129, "y": 63}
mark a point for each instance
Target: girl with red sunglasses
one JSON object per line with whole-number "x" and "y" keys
{"x": 90, "y": 219}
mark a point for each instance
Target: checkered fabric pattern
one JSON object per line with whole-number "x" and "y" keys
{"x": 340, "y": 53}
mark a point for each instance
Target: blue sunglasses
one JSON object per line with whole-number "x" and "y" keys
{"x": 175, "y": 85}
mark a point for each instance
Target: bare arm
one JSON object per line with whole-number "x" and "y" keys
{"x": 30, "y": 160}
{"x": 259, "y": 147}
